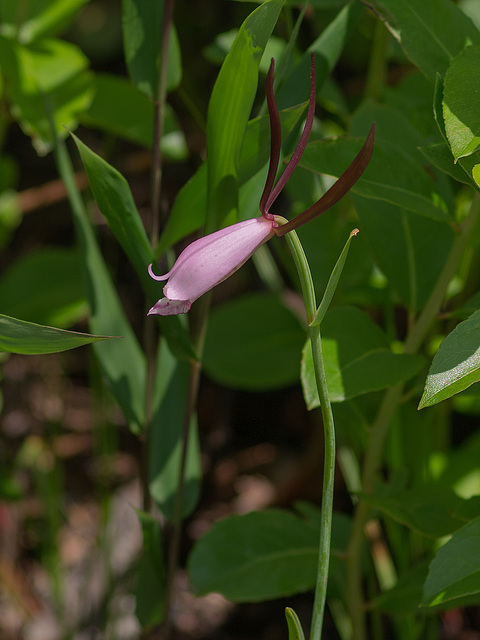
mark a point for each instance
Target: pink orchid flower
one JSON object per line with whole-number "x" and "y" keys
{"x": 209, "y": 260}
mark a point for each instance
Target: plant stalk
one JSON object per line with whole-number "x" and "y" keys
{"x": 329, "y": 433}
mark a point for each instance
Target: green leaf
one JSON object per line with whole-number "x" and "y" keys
{"x": 229, "y": 109}
{"x": 253, "y": 342}
{"x": 295, "y": 631}
{"x": 431, "y": 33}
{"x": 122, "y": 362}
{"x": 440, "y": 156}
{"x": 142, "y": 33}
{"x": 190, "y": 207}
{"x": 150, "y": 589}
{"x": 461, "y": 103}
{"x": 18, "y": 336}
{"x": 111, "y": 90}
{"x": 476, "y": 174}
{"x": 263, "y": 555}
{"x": 169, "y": 402}
{"x": 455, "y": 570}
{"x": 115, "y": 201}
{"x": 46, "y": 287}
{"x": 46, "y": 78}
{"x": 357, "y": 358}
{"x": 405, "y": 597}
{"x": 254, "y": 557}
{"x": 456, "y": 365}
{"x": 409, "y": 249}
{"x": 392, "y": 174}
{"x": 333, "y": 282}
{"x": 433, "y": 511}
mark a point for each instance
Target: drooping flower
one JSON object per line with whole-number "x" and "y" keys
{"x": 209, "y": 260}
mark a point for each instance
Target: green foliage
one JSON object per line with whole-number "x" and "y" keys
{"x": 461, "y": 103}
{"x": 264, "y": 354}
{"x": 454, "y": 572}
{"x": 456, "y": 365}
{"x": 18, "y": 336}
{"x": 358, "y": 358}
{"x": 276, "y": 544}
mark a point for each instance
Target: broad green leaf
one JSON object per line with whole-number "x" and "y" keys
{"x": 262, "y": 555}
{"x": 455, "y": 570}
{"x": 440, "y": 156}
{"x": 461, "y": 103}
{"x": 142, "y": 33}
{"x": 430, "y": 32}
{"x": 113, "y": 90}
{"x": 253, "y": 342}
{"x": 45, "y": 287}
{"x": 45, "y": 79}
{"x": 190, "y": 207}
{"x": 409, "y": 249}
{"x": 150, "y": 589}
{"x": 433, "y": 511}
{"x": 18, "y": 336}
{"x": 254, "y": 557}
{"x": 456, "y": 365}
{"x": 115, "y": 201}
{"x": 357, "y": 358}
{"x": 391, "y": 176}
{"x": 229, "y": 109}
{"x": 169, "y": 403}
{"x": 468, "y": 162}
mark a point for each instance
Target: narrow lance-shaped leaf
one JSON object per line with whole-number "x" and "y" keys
{"x": 295, "y": 631}
{"x": 229, "y": 108}
{"x": 333, "y": 282}
{"x": 19, "y": 336}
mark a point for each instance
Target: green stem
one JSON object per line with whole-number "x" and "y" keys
{"x": 379, "y": 429}
{"x": 329, "y": 432}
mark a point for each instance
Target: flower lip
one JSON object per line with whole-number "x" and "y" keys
{"x": 208, "y": 261}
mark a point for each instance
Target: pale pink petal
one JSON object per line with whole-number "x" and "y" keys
{"x": 208, "y": 261}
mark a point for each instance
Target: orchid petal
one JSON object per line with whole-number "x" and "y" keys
{"x": 208, "y": 261}
{"x": 275, "y": 141}
{"x": 300, "y": 148}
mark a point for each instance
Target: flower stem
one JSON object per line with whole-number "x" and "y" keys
{"x": 329, "y": 432}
